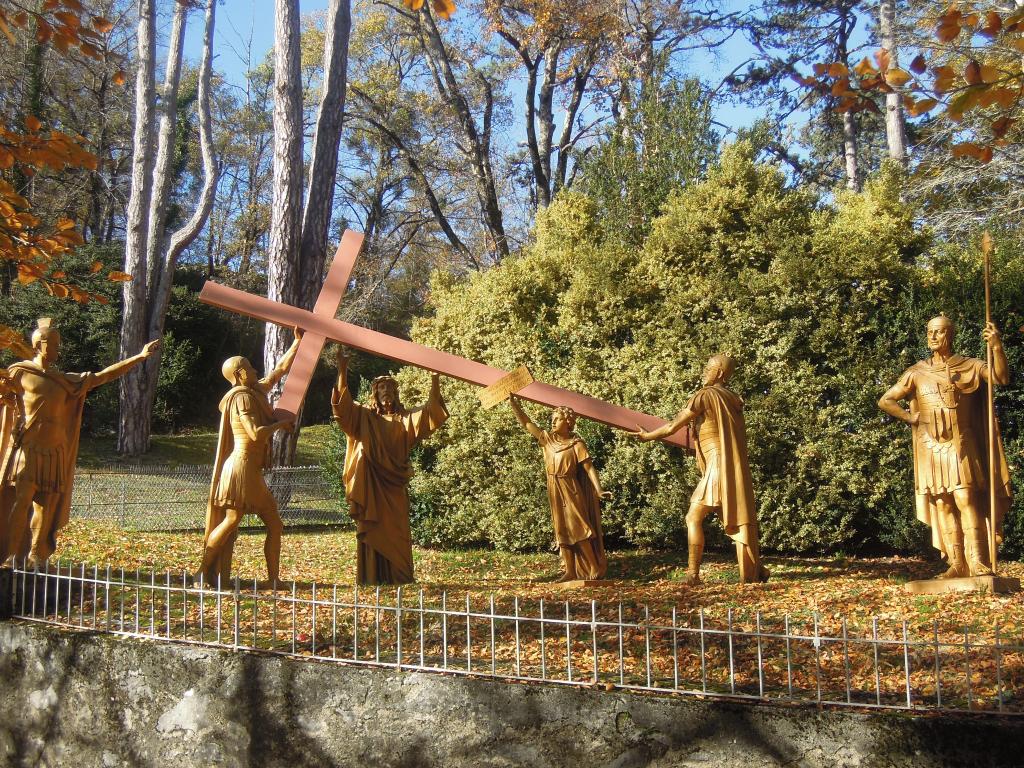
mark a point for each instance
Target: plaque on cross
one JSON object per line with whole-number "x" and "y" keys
{"x": 321, "y": 325}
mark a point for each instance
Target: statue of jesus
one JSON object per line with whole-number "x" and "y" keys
{"x": 380, "y": 437}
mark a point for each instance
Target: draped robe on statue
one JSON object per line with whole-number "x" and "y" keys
{"x": 721, "y": 448}
{"x": 238, "y": 467}
{"x": 60, "y": 399}
{"x": 376, "y": 475}
{"x": 575, "y": 505}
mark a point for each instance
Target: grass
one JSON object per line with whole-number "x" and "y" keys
{"x": 192, "y": 448}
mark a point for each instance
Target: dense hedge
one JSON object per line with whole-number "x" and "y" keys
{"x": 822, "y": 306}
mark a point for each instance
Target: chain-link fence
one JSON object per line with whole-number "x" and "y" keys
{"x": 148, "y": 498}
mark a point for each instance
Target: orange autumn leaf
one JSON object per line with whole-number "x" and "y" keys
{"x": 865, "y": 68}
{"x": 993, "y": 24}
{"x": 444, "y": 8}
{"x": 1002, "y": 125}
{"x": 95, "y": 267}
{"x": 102, "y": 25}
{"x": 972, "y": 73}
{"x": 118, "y": 276}
{"x": 883, "y": 59}
{"x": 68, "y": 19}
{"x": 897, "y": 77}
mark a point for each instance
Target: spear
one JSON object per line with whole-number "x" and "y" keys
{"x": 986, "y": 249}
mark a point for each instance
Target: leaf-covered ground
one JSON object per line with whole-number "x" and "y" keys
{"x": 858, "y": 590}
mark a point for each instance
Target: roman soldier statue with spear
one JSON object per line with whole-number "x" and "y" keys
{"x": 961, "y": 478}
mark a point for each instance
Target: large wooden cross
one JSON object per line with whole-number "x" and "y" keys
{"x": 320, "y": 325}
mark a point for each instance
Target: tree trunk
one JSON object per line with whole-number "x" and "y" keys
{"x": 323, "y": 172}
{"x": 849, "y": 119}
{"x": 286, "y": 208}
{"x": 162, "y": 252}
{"x": 131, "y": 436}
{"x": 895, "y": 123}
{"x": 850, "y": 151}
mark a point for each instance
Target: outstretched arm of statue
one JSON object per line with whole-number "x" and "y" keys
{"x": 435, "y": 388}
{"x": 345, "y": 409}
{"x": 284, "y": 364}
{"x": 684, "y": 417}
{"x": 341, "y": 358}
{"x": 523, "y": 419}
{"x": 121, "y": 367}
{"x": 596, "y": 481}
{"x": 258, "y": 433}
{"x": 1000, "y": 367}
{"x": 889, "y": 403}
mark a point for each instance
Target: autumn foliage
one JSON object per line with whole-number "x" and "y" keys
{"x": 974, "y": 65}
{"x": 443, "y": 8}
{"x": 35, "y": 246}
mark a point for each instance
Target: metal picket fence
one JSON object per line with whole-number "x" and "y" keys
{"x": 174, "y": 498}
{"x": 801, "y": 658}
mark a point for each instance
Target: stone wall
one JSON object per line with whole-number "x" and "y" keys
{"x": 86, "y": 699}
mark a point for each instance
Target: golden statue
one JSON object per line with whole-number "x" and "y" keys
{"x": 41, "y": 442}
{"x": 380, "y": 438}
{"x": 574, "y": 492}
{"x": 947, "y": 395}
{"x": 243, "y": 452}
{"x": 725, "y": 485}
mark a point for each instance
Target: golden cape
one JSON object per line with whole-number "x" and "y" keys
{"x": 735, "y": 486}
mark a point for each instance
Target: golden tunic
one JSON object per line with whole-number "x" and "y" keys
{"x": 238, "y": 481}
{"x": 950, "y": 439}
{"x": 42, "y": 439}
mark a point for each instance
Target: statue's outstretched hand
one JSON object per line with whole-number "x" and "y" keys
{"x": 341, "y": 356}
{"x": 639, "y": 434}
{"x": 151, "y": 347}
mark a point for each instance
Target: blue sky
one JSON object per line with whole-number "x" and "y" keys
{"x": 245, "y": 24}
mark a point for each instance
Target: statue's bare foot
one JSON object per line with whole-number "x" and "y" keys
{"x": 691, "y": 579}
{"x": 566, "y": 577}
{"x": 980, "y": 569}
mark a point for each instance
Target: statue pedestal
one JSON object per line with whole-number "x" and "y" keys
{"x": 994, "y": 584}
{"x": 581, "y": 583}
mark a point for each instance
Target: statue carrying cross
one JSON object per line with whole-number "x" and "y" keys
{"x": 380, "y": 437}
{"x": 321, "y": 325}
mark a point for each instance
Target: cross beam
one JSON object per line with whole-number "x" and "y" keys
{"x": 320, "y": 325}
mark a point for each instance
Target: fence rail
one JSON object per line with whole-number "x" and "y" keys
{"x": 174, "y": 498}
{"x": 600, "y": 645}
